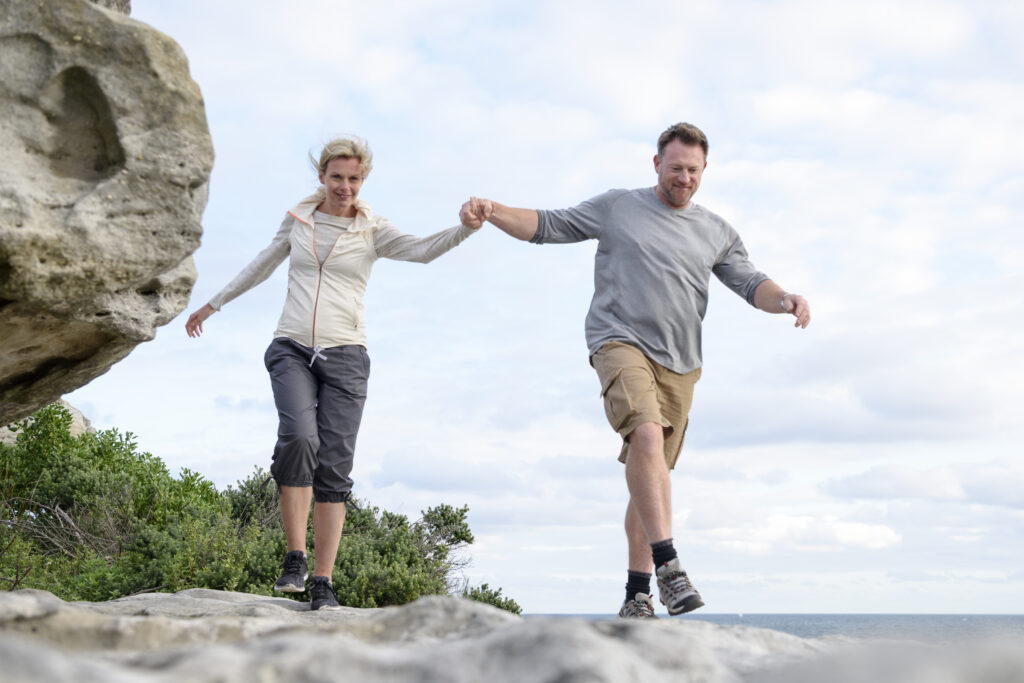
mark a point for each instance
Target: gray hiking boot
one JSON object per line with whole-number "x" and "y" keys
{"x": 640, "y": 607}
{"x": 675, "y": 589}
{"x": 321, "y": 594}
{"x": 293, "y": 573}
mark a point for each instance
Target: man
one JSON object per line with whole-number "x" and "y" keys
{"x": 656, "y": 252}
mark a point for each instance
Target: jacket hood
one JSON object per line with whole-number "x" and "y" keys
{"x": 304, "y": 210}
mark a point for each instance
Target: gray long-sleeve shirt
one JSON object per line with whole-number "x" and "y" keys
{"x": 652, "y": 270}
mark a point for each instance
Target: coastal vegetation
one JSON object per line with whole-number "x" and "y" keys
{"x": 93, "y": 518}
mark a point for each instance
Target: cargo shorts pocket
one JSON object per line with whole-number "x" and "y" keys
{"x": 618, "y": 406}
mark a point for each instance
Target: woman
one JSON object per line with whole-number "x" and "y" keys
{"x": 317, "y": 361}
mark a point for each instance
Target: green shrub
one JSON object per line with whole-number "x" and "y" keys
{"x": 92, "y": 518}
{"x": 385, "y": 560}
{"x": 485, "y": 593}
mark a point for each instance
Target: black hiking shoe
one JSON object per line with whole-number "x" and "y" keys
{"x": 321, "y": 594}
{"x": 293, "y": 573}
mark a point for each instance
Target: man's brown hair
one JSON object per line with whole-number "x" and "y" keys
{"x": 686, "y": 133}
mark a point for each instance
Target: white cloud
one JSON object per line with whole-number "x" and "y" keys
{"x": 899, "y": 482}
{"x": 804, "y": 534}
{"x": 1000, "y": 482}
{"x": 996, "y": 482}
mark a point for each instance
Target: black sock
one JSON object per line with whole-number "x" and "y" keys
{"x": 663, "y": 552}
{"x": 637, "y": 582}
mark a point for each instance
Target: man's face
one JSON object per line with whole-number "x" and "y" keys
{"x": 679, "y": 170}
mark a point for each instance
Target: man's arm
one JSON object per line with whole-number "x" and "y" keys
{"x": 771, "y": 298}
{"x": 519, "y": 223}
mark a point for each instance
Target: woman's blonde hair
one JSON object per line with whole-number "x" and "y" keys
{"x": 345, "y": 148}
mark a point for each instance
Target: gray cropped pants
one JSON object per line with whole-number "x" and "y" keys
{"x": 319, "y": 397}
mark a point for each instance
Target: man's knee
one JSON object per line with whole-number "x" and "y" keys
{"x": 647, "y": 437}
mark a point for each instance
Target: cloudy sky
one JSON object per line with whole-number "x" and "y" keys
{"x": 870, "y": 154}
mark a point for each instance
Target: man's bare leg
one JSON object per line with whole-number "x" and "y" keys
{"x": 650, "y": 490}
{"x": 650, "y": 495}
{"x": 639, "y": 546}
{"x": 648, "y": 515}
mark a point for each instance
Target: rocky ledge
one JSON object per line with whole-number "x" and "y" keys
{"x": 204, "y": 635}
{"x": 106, "y": 161}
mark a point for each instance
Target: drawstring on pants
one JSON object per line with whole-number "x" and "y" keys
{"x": 317, "y": 354}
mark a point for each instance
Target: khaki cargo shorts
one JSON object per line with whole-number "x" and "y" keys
{"x": 636, "y": 390}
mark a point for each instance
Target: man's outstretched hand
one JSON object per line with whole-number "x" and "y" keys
{"x": 796, "y": 305}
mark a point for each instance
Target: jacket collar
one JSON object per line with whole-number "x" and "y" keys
{"x": 304, "y": 210}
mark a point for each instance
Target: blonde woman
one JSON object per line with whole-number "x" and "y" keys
{"x": 317, "y": 361}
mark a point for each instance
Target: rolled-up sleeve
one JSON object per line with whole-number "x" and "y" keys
{"x": 736, "y": 272}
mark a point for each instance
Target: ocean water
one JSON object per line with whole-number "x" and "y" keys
{"x": 930, "y": 627}
{"x": 923, "y": 627}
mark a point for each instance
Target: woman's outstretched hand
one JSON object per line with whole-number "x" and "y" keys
{"x": 194, "y": 326}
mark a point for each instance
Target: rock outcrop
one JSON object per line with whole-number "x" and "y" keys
{"x": 107, "y": 157}
{"x": 122, "y": 6}
{"x": 203, "y": 635}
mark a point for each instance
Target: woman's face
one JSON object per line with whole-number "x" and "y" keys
{"x": 342, "y": 180}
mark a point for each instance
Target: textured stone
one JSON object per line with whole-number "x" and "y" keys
{"x": 205, "y": 635}
{"x": 122, "y": 6}
{"x": 107, "y": 158}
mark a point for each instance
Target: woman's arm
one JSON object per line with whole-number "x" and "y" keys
{"x": 258, "y": 270}
{"x": 194, "y": 326}
{"x": 390, "y": 242}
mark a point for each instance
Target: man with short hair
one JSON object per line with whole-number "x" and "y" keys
{"x": 655, "y": 255}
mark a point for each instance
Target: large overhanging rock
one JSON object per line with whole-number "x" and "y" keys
{"x": 106, "y": 161}
{"x": 124, "y": 6}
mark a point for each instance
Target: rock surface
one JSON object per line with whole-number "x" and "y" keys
{"x": 122, "y": 6}
{"x": 204, "y": 635}
{"x": 107, "y": 157}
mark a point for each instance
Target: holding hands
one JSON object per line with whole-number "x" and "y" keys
{"x": 475, "y": 212}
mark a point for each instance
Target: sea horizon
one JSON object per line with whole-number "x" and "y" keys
{"x": 864, "y": 625}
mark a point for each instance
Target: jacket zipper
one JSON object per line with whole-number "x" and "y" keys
{"x": 316, "y": 305}
{"x": 319, "y": 278}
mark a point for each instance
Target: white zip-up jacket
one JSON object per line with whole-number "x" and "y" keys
{"x": 324, "y": 307}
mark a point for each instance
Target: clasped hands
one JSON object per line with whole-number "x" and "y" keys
{"x": 475, "y": 212}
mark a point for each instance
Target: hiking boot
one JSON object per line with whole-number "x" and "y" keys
{"x": 640, "y": 607}
{"x": 293, "y": 573}
{"x": 675, "y": 589}
{"x": 321, "y": 594}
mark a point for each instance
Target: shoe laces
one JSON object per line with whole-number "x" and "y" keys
{"x": 678, "y": 581}
{"x": 643, "y": 608}
{"x": 293, "y": 563}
